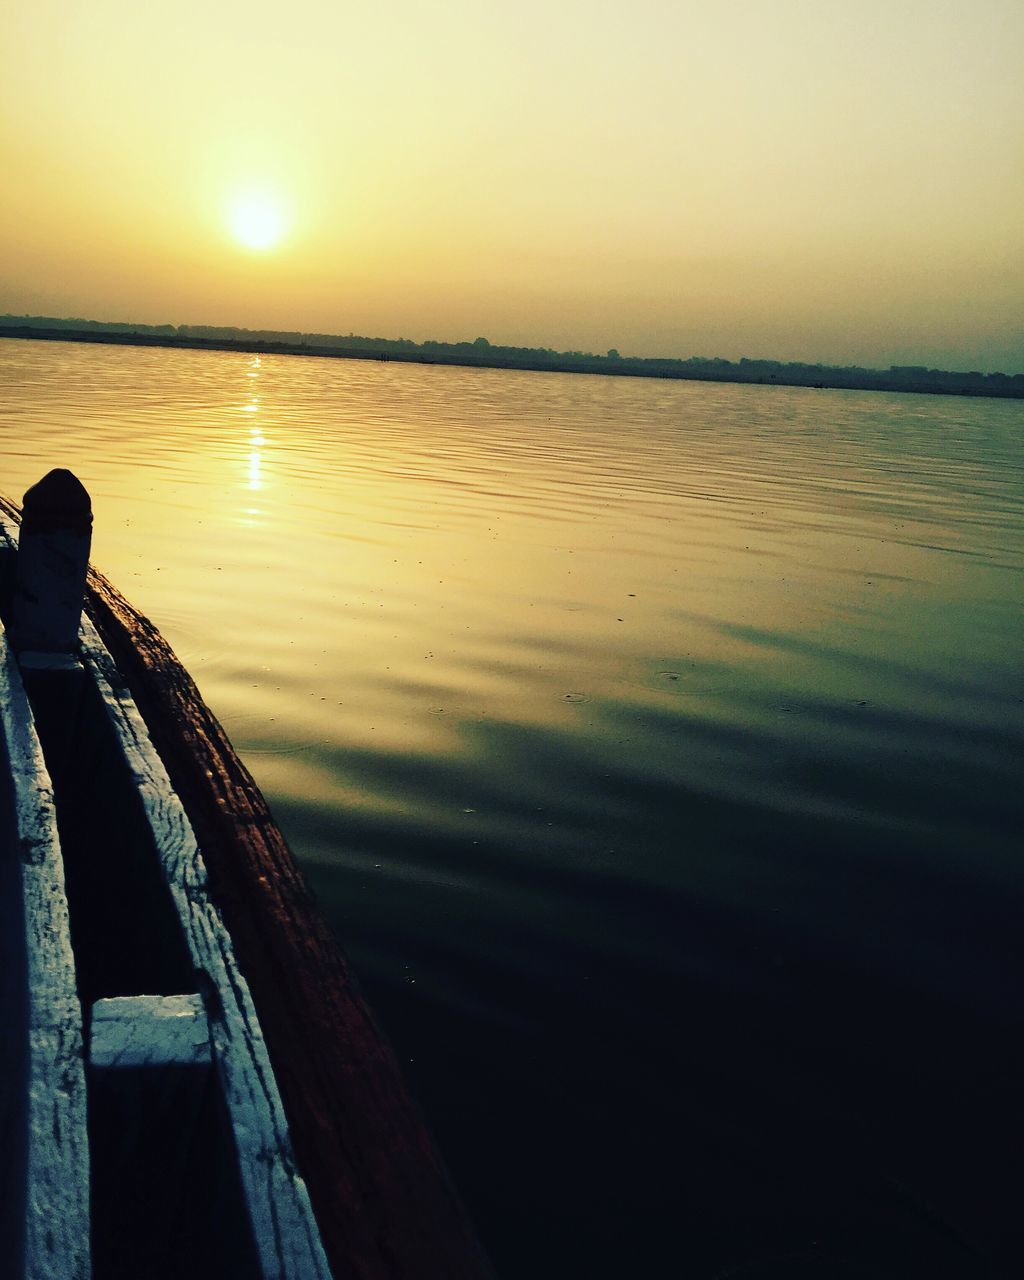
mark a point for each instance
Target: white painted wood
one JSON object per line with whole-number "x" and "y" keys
{"x": 284, "y": 1228}
{"x": 148, "y": 1031}
{"x": 57, "y": 1166}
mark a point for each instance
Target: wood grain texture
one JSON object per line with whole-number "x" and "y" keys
{"x": 128, "y": 1032}
{"x": 56, "y": 1167}
{"x": 285, "y": 1232}
{"x": 383, "y": 1200}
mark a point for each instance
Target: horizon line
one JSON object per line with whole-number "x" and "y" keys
{"x": 480, "y": 352}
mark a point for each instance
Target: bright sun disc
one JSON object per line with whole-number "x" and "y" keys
{"x": 257, "y": 221}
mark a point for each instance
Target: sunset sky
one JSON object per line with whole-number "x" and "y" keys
{"x": 799, "y": 179}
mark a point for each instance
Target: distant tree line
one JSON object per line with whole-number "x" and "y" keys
{"x": 484, "y": 353}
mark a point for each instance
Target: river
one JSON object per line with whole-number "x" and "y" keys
{"x": 655, "y": 749}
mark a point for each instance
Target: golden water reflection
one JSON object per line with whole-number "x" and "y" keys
{"x": 255, "y": 477}
{"x": 471, "y": 544}
{"x": 255, "y": 469}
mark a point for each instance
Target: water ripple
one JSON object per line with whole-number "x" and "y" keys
{"x": 653, "y": 746}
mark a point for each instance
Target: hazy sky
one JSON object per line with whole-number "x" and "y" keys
{"x": 825, "y": 179}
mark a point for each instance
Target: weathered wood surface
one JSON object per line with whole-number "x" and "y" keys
{"x": 285, "y": 1232}
{"x": 383, "y": 1200}
{"x": 127, "y": 1032}
{"x": 55, "y": 1195}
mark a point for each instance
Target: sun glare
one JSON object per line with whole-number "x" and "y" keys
{"x": 257, "y": 220}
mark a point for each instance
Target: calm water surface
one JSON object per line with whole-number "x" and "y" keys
{"x": 655, "y": 749}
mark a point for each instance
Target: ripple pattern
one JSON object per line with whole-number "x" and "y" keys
{"x": 655, "y": 749}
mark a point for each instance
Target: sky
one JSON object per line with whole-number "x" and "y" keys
{"x": 819, "y": 180}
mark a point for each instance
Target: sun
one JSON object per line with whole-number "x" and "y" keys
{"x": 257, "y": 220}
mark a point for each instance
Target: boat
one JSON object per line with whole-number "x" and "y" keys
{"x": 191, "y": 1084}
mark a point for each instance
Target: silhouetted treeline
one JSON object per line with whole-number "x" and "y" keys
{"x": 483, "y": 353}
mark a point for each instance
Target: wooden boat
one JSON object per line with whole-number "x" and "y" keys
{"x": 190, "y": 1083}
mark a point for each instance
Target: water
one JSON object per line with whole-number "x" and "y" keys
{"x": 654, "y": 748}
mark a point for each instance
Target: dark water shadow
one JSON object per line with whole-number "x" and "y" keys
{"x": 746, "y": 1031}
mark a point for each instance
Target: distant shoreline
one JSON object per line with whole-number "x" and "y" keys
{"x": 765, "y": 373}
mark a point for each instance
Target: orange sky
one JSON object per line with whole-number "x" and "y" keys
{"x": 827, "y": 181}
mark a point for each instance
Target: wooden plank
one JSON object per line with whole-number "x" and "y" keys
{"x": 167, "y": 1199}
{"x": 127, "y": 1032}
{"x": 285, "y": 1231}
{"x": 56, "y": 1197}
